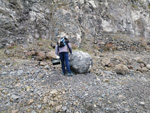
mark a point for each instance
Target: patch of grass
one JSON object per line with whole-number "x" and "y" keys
{"x": 2, "y": 54}
{"x": 29, "y": 57}
{"x": 40, "y": 39}
{"x": 135, "y": 6}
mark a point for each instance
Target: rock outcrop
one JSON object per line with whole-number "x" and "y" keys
{"x": 25, "y": 21}
{"x": 80, "y": 62}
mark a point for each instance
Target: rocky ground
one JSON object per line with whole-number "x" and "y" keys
{"x": 119, "y": 82}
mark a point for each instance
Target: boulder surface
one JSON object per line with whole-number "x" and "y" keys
{"x": 80, "y": 62}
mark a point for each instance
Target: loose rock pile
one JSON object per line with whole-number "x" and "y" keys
{"x": 28, "y": 87}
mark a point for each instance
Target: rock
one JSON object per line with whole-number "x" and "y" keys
{"x": 142, "y": 65}
{"x": 33, "y": 111}
{"x": 45, "y": 99}
{"x": 41, "y": 55}
{"x": 14, "y": 98}
{"x": 53, "y": 45}
{"x": 52, "y": 103}
{"x": 30, "y": 53}
{"x": 30, "y": 101}
{"x": 121, "y": 69}
{"x": 1, "y": 66}
{"x": 64, "y": 108}
{"x": 43, "y": 63}
{"x": 106, "y": 80}
{"x": 58, "y": 108}
{"x": 148, "y": 66}
{"x": 1, "y": 46}
{"x": 51, "y": 55}
{"x": 4, "y": 73}
{"x": 19, "y": 72}
{"x": 47, "y": 67}
{"x": 40, "y": 44}
{"x": 14, "y": 111}
{"x": 144, "y": 69}
{"x": 80, "y": 62}
{"x": 142, "y": 103}
{"x": 54, "y": 91}
{"x": 110, "y": 46}
{"x": 105, "y": 61}
{"x": 138, "y": 60}
{"x": 7, "y": 52}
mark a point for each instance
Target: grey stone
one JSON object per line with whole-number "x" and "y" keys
{"x": 1, "y": 46}
{"x": 1, "y": 66}
{"x": 4, "y": 73}
{"x": 64, "y": 108}
{"x": 19, "y": 72}
{"x": 148, "y": 66}
{"x": 33, "y": 111}
{"x": 80, "y": 62}
{"x": 7, "y": 52}
{"x": 15, "y": 98}
{"x": 121, "y": 69}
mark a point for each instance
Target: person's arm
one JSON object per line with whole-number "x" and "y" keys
{"x": 56, "y": 50}
{"x": 70, "y": 48}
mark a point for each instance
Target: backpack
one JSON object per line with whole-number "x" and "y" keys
{"x": 61, "y": 42}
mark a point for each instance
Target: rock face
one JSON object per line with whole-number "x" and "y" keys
{"x": 80, "y": 62}
{"x": 28, "y": 20}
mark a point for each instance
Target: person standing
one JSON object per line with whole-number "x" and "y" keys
{"x": 61, "y": 49}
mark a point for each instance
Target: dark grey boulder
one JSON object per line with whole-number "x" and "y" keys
{"x": 80, "y": 62}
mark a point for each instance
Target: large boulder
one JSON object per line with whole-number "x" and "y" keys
{"x": 80, "y": 62}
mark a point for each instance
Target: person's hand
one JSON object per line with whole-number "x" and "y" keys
{"x": 57, "y": 57}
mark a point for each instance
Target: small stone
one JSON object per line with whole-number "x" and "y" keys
{"x": 39, "y": 106}
{"x": 45, "y": 100}
{"x": 95, "y": 105}
{"x": 30, "y": 101}
{"x": 52, "y": 103}
{"x": 139, "y": 60}
{"x": 14, "y": 98}
{"x": 58, "y": 108}
{"x": 51, "y": 55}
{"x": 41, "y": 55}
{"x": 19, "y": 72}
{"x": 28, "y": 88}
{"x": 18, "y": 84}
{"x": 7, "y": 52}
{"x": 14, "y": 111}
{"x": 40, "y": 44}
{"x": 103, "y": 95}
{"x": 142, "y": 65}
{"x": 121, "y": 69}
{"x": 106, "y": 80}
{"x": 144, "y": 69}
{"x": 54, "y": 91}
{"x": 142, "y": 103}
{"x": 33, "y": 111}
{"x": 109, "y": 102}
{"x": 4, "y": 73}
{"x": 105, "y": 61}
{"x": 148, "y": 66}
{"x": 47, "y": 67}
{"x": 121, "y": 96}
{"x": 43, "y": 63}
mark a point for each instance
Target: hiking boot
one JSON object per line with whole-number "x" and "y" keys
{"x": 63, "y": 73}
{"x": 70, "y": 74}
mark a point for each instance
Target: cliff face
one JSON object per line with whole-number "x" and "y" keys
{"x": 28, "y": 20}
